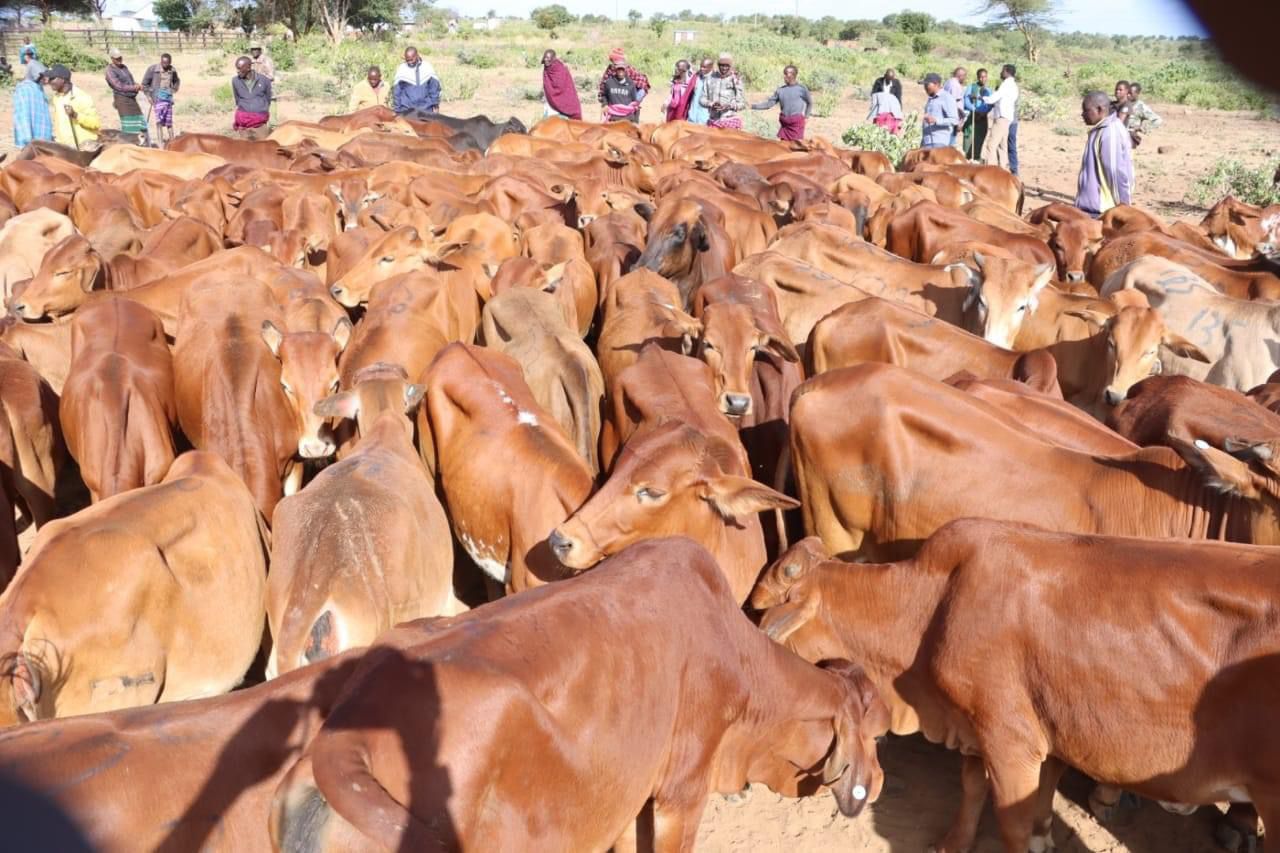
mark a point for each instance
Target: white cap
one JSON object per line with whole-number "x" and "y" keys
{"x": 115, "y": 53}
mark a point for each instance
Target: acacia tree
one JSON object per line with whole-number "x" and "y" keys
{"x": 1025, "y": 16}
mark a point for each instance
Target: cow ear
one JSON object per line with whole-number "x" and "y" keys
{"x": 1090, "y": 315}
{"x": 1044, "y": 275}
{"x": 25, "y": 678}
{"x": 413, "y": 395}
{"x": 342, "y": 333}
{"x": 440, "y": 251}
{"x": 645, "y": 211}
{"x": 782, "y": 621}
{"x": 1129, "y": 298}
{"x": 273, "y": 337}
{"x": 553, "y": 277}
{"x": 1220, "y": 470}
{"x": 344, "y": 404}
{"x": 1184, "y": 347}
{"x": 700, "y": 240}
{"x": 781, "y": 347}
{"x": 739, "y": 497}
{"x": 963, "y": 275}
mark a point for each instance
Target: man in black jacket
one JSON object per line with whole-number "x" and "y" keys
{"x": 889, "y": 82}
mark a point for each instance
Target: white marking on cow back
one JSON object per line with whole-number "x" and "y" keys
{"x": 527, "y": 418}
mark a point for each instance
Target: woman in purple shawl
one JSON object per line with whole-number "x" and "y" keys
{"x": 557, "y": 86}
{"x": 682, "y": 86}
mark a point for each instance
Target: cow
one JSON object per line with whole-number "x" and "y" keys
{"x": 508, "y": 475}
{"x": 716, "y": 727}
{"x": 117, "y": 409}
{"x": 45, "y": 346}
{"x": 994, "y": 182}
{"x": 688, "y": 246}
{"x": 1074, "y": 243}
{"x": 949, "y": 191}
{"x": 878, "y": 477}
{"x": 1187, "y": 409}
{"x": 641, "y": 307}
{"x": 682, "y": 471}
{"x": 614, "y": 243}
{"x": 878, "y": 330}
{"x": 24, "y": 240}
{"x": 923, "y": 230}
{"x": 560, "y": 370}
{"x": 1231, "y": 333}
{"x": 914, "y": 158}
{"x": 397, "y": 252}
{"x": 1238, "y": 228}
{"x": 32, "y": 452}
{"x": 332, "y": 586}
{"x": 999, "y": 685}
{"x": 571, "y": 283}
{"x": 176, "y": 612}
{"x": 1237, "y": 279}
{"x": 189, "y": 166}
{"x": 103, "y": 769}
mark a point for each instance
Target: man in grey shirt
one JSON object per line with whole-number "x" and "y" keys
{"x": 940, "y": 114}
{"x": 252, "y": 93}
{"x": 796, "y": 105}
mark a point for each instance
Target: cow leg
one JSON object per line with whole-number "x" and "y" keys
{"x": 1237, "y": 830}
{"x": 1014, "y": 785}
{"x": 675, "y": 825}
{"x": 1105, "y": 801}
{"x": 973, "y": 797}
{"x": 1042, "y": 830}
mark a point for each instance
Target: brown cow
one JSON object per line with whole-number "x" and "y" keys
{"x": 397, "y": 252}
{"x": 117, "y": 408}
{"x": 1187, "y": 409}
{"x": 571, "y": 283}
{"x": 922, "y": 231}
{"x": 507, "y": 474}
{"x": 176, "y": 612}
{"x": 31, "y": 453}
{"x": 245, "y": 740}
{"x": 999, "y": 685}
{"x": 333, "y": 587}
{"x": 1237, "y": 279}
{"x": 878, "y": 330}
{"x": 408, "y": 320}
{"x": 742, "y": 709}
{"x": 561, "y": 371}
{"x": 641, "y": 307}
{"x": 614, "y": 243}
{"x": 686, "y": 245}
{"x": 949, "y": 190}
{"x": 24, "y": 239}
{"x": 1238, "y": 229}
{"x": 994, "y": 182}
{"x": 681, "y": 471}
{"x": 886, "y": 442}
{"x": 914, "y": 158}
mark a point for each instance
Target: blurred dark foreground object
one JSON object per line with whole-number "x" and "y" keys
{"x": 1244, "y": 34}
{"x": 33, "y": 822}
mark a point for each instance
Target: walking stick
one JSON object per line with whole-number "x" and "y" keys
{"x": 75, "y": 137}
{"x": 151, "y": 105}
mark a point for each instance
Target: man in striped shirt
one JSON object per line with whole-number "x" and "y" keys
{"x": 1106, "y": 170}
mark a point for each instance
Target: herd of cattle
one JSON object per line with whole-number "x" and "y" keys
{"x": 330, "y": 393}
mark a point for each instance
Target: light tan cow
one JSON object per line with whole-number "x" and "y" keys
{"x": 24, "y": 239}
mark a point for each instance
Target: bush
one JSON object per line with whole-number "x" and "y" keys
{"x": 462, "y": 86}
{"x": 284, "y": 55}
{"x": 912, "y": 23}
{"x": 825, "y": 103}
{"x": 870, "y": 137}
{"x": 307, "y": 87}
{"x": 222, "y": 96}
{"x": 55, "y": 48}
{"x": 476, "y": 58}
{"x": 921, "y": 44}
{"x": 1231, "y": 177}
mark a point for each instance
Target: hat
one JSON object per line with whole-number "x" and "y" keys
{"x": 115, "y": 53}
{"x": 255, "y": 45}
{"x": 617, "y": 57}
{"x": 58, "y": 71}
{"x": 724, "y": 57}
{"x": 932, "y": 77}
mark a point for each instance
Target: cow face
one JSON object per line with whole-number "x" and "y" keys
{"x": 732, "y": 336}
{"x": 852, "y": 769}
{"x": 308, "y": 374}
{"x": 1134, "y": 337}
{"x": 775, "y": 584}
{"x": 1074, "y": 244}
{"x": 1245, "y": 469}
{"x": 396, "y": 253}
{"x": 70, "y": 270}
{"x": 351, "y": 196}
{"x": 315, "y": 217}
{"x": 1003, "y": 293}
{"x": 378, "y": 388}
{"x": 673, "y": 481}
{"x": 676, "y": 236}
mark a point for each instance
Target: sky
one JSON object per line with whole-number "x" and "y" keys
{"x": 1124, "y": 17}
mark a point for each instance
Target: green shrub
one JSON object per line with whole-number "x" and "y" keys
{"x": 306, "y": 87}
{"x": 283, "y": 55}
{"x": 1231, "y": 177}
{"x": 462, "y": 86}
{"x": 870, "y": 137}
{"x": 54, "y": 48}
{"x": 921, "y": 44}
{"x": 477, "y": 58}
{"x": 825, "y": 103}
{"x": 222, "y": 96}
{"x": 531, "y": 93}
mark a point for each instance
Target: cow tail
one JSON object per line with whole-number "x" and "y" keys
{"x": 340, "y": 766}
{"x": 1022, "y": 197}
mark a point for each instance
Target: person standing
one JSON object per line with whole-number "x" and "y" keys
{"x": 888, "y": 83}
{"x": 416, "y": 87}
{"x": 27, "y": 52}
{"x": 940, "y": 114}
{"x": 262, "y": 63}
{"x": 886, "y": 111}
{"x": 677, "y": 105}
{"x": 161, "y": 83}
{"x": 369, "y": 92}
{"x": 124, "y": 96}
{"x": 618, "y": 59}
{"x": 723, "y": 96}
{"x": 1142, "y": 119}
{"x": 975, "y": 123}
{"x": 796, "y": 103}
{"x": 1004, "y": 109}
{"x": 31, "y": 119}
{"x": 622, "y": 101}
{"x": 558, "y": 89}
{"x": 954, "y": 87}
{"x": 1106, "y": 169}
{"x": 252, "y": 94}
{"x": 698, "y": 114}
{"x": 75, "y": 119}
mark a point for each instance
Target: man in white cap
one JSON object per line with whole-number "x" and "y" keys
{"x": 724, "y": 95}
{"x": 262, "y": 63}
{"x": 124, "y": 97}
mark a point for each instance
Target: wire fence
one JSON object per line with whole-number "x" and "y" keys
{"x": 11, "y": 39}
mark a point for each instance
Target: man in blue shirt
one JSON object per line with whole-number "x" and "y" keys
{"x": 31, "y": 119}
{"x": 940, "y": 114}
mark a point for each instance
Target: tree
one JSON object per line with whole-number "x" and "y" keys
{"x": 658, "y": 23}
{"x": 1025, "y": 16}
{"x": 551, "y": 17}
{"x": 174, "y": 14}
{"x": 634, "y": 17}
{"x": 334, "y": 15}
{"x": 46, "y": 8}
{"x": 369, "y": 15}
{"x": 913, "y": 23}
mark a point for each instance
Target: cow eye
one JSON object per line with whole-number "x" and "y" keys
{"x": 649, "y": 494}
{"x": 333, "y": 386}
{"x": 288, "y": 389}
{"x": 1022, "y": 307}
{"x": 708, "y": 346}
{"x": 388, "y": 259}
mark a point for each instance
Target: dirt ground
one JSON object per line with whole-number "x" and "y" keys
{"x": 922, "y": 780}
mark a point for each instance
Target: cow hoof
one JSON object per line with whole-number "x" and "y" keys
{"x": 1233, "y": 839}
{"x": 1111, "y": 812}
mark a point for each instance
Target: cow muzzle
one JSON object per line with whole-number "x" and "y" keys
{"x": 570, "y": 551}
{"x": 736, "y": 405}
{"x": 1113, "y": 397}
{"x": 316, "y": 447}
{"x": 1075, "y": 276}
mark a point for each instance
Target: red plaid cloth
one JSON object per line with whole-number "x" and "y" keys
{"x": 641, "y": 81}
